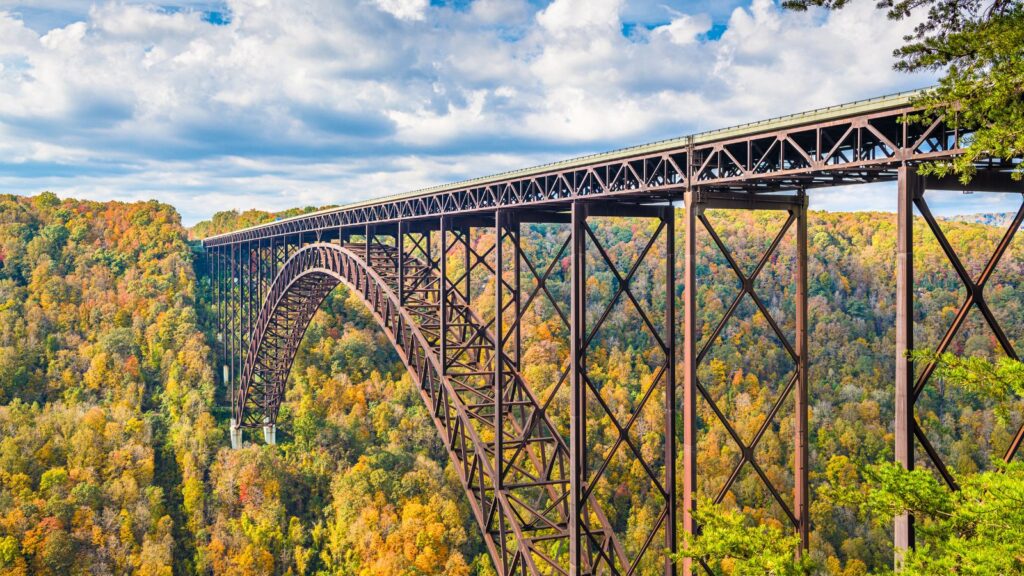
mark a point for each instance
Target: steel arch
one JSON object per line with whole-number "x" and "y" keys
{"x": 526, "y": 522}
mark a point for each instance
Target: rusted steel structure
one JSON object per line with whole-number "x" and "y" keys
{"x": 530, "y": 484}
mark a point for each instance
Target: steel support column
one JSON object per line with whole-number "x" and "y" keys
{"x": 691, "y": 335}
{"x": 499, "y": 372}
{"x": 910, "y": 186}
{"x": 578, "y": 398}
{"x": 442, "y": 315}
{"x": 801, "y": 468}
{"x": 467, "y": 264}
{"x": 368, "y": 234}
{"x": 517, "y": 273}
{"x": 671, "y": 400}
{"x": 400, "y": 246}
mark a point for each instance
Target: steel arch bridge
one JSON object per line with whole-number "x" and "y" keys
{"x": 419, "y": 263}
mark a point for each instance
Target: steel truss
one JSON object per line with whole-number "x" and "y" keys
{"x": 859, "y": 148}
{"x": 447, "y": 276}
{"x": 697, "y": 347}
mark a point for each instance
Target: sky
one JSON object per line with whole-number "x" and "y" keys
{"x": 272, "y": 104}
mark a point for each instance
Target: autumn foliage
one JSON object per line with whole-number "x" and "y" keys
{"x": 113, "y": 457}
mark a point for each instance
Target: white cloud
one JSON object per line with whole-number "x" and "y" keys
{"x": 499, "y": 11}
{"x": 685, "y": 28}
{"x": 327, "y": 101}
{"x": 404, "y": 9}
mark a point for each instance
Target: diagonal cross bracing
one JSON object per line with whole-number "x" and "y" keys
{"x": 415, "y": 262}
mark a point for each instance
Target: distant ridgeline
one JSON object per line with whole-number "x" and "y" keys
{"x": 113, "y": 454}
{"x": 998, "y": 219}
{"x": 223, "y": 222}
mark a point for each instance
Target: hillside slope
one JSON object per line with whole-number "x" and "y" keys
{"x": 105, "y": 389}
{"x": 112, "y": 460}
{"x": 852, "y": 309}
{"x": 112, "y": 451}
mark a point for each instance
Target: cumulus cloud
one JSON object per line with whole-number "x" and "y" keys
{"x": 685, "y": 28}
{"x": 274, "y": 103}
{"x": 404, "y": 9}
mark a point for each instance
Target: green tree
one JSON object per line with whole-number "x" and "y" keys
{"x": 731, "y": 543}
{"x": 976, "y": 530}
{"x": 979, "y": 47}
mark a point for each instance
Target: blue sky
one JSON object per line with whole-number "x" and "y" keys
{"x": 277, "y": 103}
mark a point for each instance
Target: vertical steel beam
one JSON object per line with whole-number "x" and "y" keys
{"x": 245, "y": 286}
{"x": 400, "y": 245}
{"x": 801, "y": 492}
{"x": 367, "y": 251}
{"x": 690, "y": 336}
{"x": 251, "y": 290}
{"x": 467, "y": 263}
{"x": 517, "y": 229}
{"x": 208, "y": 261}
{"x": 910, "y": 186}
{"x": 577, "y": 403}
{"x": 443, "y": 295}
{"x": 499, "y": 374}
{"x": 671, "y": 541}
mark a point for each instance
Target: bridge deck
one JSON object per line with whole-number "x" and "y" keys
{"x": 852, "y": 143}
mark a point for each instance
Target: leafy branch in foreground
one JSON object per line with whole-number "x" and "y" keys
{"x": 999, "y": 382}
{"x": 976, "y": 530}
{"x": 979, "y": 45}
{"x": 731, "y": 542}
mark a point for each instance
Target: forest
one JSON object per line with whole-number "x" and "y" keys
{"x": 113, "y": 450}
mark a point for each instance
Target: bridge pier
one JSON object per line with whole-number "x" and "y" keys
{"x": 910, "y": 382}
{"x": 236, "y": 435}
{"x": 697, "y": 347}
{"x": 269, "y": 432}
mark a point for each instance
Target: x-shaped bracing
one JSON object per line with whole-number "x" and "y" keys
{"x": 747, "y": 288}
{"x": 583, "y": 384}
{"x": 975, "y": 287}
{"x": 695, "y": 352}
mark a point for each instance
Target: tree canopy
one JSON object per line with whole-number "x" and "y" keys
{"x": 112, "y": 450}
{"x": 978, "y": 46}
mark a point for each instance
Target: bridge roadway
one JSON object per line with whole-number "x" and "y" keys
{"x": 532, "y": 485}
